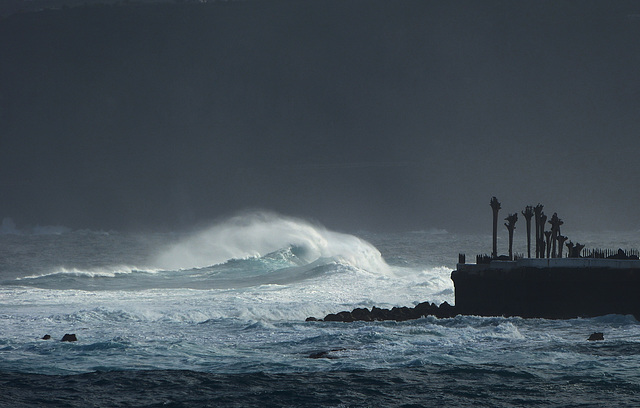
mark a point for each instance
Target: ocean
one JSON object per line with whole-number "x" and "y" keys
{"x": 216, "y": 317}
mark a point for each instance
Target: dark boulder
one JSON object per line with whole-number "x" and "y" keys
{"x": 399, "y": 314}
{"x": 69, "y": 337}
{"x": 331, "y": 317}
{"x": 426, "y": 309}
{"x": 380, "y": 314}
{"x": 46, "y": 337}
{"x": 326, "y": 354}
{"x": 343, "y": 316}
{"x": 596, "y": 336}
{"x": 446, "y": 311}
{"x": 320, "y": 354}
{"x": 362, "y": 314}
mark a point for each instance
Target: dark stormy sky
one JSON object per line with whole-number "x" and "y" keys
{"x": 378, "y": 115}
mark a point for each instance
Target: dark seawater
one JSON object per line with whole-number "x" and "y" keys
{"x": 430, "y": 386}
{"x": 217, "y": 318}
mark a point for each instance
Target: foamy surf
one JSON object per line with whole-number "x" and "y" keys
{"x": 256, "y": 234}
{"x": 242, "y": 312}
{"x": 253, "y": 249}
{"x": 108, "y": 272}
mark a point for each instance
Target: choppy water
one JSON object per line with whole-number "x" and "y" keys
{"x": 216, "y": 318}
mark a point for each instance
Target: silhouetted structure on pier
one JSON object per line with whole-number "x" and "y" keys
{"x": 548, "y": 243}
{"x": 495, "y": 206}
{"x": 539, "y": 228}
{"x": 602, "y": 282}
{"x": 528, "y": 214}
{"x": 555, "y": 231}
{"x": 574, "y": 249}
{"x": 511, "y": 225}
{"x": 612, "y": 254}
{"x": 561, "y": 240}
{"x": 595, "y": 283}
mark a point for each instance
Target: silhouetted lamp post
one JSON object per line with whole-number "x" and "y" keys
{"x": 547, "y": 235}
{"x": 574, "y": 250}
{"x": 543, "y": 246}
{"x": 495, "y": 206}
{"x": 555, "y": 231}
{"x": 511, "y": 225}
{"x": 528, "y": 213}
{"x": 561, "y": 240}
{"x": 538, "y": 213}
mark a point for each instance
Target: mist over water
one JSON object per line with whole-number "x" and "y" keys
{"x": 256, "y": 266}
{"x": 246, "y": 250}
{"x": 259, "y": 233}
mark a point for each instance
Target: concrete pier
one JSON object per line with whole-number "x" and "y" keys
{"x": 555, "y": 288}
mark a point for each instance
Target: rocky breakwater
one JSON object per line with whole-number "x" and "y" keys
{"x": 399, "y": 314}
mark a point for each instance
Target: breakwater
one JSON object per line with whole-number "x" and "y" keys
{"x": 561, "y": 288}
{"x": 398, "y": 314}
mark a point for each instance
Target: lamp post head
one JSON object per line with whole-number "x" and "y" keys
{"x": 511, "y": 221}
{"x": 538, "y": 209}
{"x": 528, "y": 212}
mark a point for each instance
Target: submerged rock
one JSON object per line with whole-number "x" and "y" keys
{"x": 596, "y": 336}
{"x": 69, "y": 337}
{"x": 46, "y": 337}
{"x": 326, "y": 354}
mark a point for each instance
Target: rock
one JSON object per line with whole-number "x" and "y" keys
{"x": 320, "y": 354}
{"x": 69, "y": 337}
{"x": 596, "y": 336}
{"x": 446, "y": 311}
{"x": 380, "y": 314}
{"x": 326, "y": 354}
{"x": 331, "y": 317}
{"x": 362, "y": 314}
{"x": 426, "y": 309}
{"x": 46, "y": 337}
{"x": 399, "y": 314}
{"x": 339, "y": 317}
{"x": 345, "y": 316}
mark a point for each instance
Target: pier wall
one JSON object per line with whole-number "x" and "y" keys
{"x": 555, "y": 292}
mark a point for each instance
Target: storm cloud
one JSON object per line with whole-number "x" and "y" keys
{"x": 380, "y": 115}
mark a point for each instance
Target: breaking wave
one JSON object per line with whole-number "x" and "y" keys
{"x": 259, "y": 233}
{"x": 250, "y": 250}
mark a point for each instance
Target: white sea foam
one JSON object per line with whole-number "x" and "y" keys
{"x": 104, "y": 272}
{"x": 259, "y": 233}
{"x": 132, "y": 318}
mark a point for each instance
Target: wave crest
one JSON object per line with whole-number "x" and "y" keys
{"x": 243, "y": 251}
{"x": 257, "y": 234}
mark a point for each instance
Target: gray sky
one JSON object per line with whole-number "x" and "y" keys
{"x": 378, "y": 115}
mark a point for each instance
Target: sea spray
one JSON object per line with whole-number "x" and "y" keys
{"x": 164, "y": 329}
{"x": 259, "y": 233}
